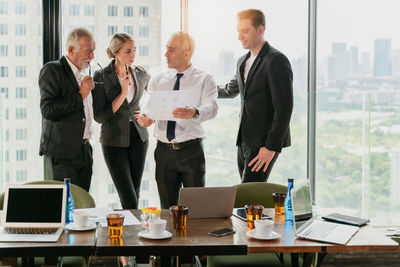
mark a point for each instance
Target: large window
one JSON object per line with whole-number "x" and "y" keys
{"x": 3, "y": 50}
{"x": 3, "y": 29}
{"x": 358, "y": 109}
{"x": 108, "y": 20}
{"x": 217, "y": 52}
{"x": 20, "y": 50}
{"x": 19, "y": 93}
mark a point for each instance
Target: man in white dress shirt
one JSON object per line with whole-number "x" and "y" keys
{"x": 67, "y": 111}
{"x": 179, "y": 154}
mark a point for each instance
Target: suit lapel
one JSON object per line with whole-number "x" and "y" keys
{"x": 135, "y": 82}
{"x": 114, "y": 88}
{"x": 251, "y": 71}
{"x": 241, "y": 73}
{"x": 69, "y": 72}
{"x": 256, "y": 62}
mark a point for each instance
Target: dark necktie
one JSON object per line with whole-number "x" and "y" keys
{"x": 171, "y": 124}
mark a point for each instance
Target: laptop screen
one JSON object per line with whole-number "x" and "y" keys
{"x": 34, "y": 205}
{"x": 302, "y": 205}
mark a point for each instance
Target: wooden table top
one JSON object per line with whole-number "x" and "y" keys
{"x": 194, "y": 241}
{"x": 366, "y": 239}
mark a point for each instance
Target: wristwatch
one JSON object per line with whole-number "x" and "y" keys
{"x": 196, "y": 115}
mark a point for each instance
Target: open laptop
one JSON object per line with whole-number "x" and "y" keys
{"x": 309, "y": 227}
{"x": 208, "y": 202}
{"x": 33, "y": 213}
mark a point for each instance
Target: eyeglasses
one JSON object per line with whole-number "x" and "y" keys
{"x": 90, "y": 73}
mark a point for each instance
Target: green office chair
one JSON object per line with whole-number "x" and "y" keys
{"x": 82, "y": 200}
{"x": 253, "y": 193}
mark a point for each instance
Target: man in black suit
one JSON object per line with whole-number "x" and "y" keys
{"x": 67, "y": 112}
{"x": 264, "y": 81}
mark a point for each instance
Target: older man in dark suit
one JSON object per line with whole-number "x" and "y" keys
{"x": 67, "y": 112}
{"x": 264, "y": 81}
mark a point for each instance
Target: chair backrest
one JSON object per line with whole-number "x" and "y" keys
{"x": 257, "y": 193}
{"x": 82, "y": 199}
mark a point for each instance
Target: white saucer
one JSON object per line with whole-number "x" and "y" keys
{"x": 253, "y": 234}
{"x": 74, "y": 227}
{"x": 146, "y": 234}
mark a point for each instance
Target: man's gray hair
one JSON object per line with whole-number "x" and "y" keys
{"x": 74, "y": 35}
{"x": 186, "y": 40}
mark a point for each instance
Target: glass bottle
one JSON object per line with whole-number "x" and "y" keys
{"x": 70, "y": 202}
{"x": 288, "y": 201}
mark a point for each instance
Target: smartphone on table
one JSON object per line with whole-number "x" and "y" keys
{"x": 241, "y": 214}
{"x": 222, "y": 232}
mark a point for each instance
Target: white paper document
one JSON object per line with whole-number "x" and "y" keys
{"x": 162, "y": 103}
{"x": 99, "y": 215}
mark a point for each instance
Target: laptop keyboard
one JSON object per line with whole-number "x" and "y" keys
{"x": 33, "y": 231}
{"x": 319, "y": 230}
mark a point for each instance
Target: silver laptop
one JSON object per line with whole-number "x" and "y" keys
{"x": 33, "y": 213}
{"x": 208, "y": 202}
{"x": 308, "y": 226}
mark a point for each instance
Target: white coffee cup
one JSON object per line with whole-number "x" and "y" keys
{"x": 157, "y": 226}
{"x": 263, "y": 227}
{"x": 81, "y": 218}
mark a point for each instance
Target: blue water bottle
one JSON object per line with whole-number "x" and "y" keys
{"x": 288, "y": 201}
{"x": 70, "y": 202}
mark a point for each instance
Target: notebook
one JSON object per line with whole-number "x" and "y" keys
{"x": 208, "y": 202}
{"x": 308, "y": 226}
{"x": 33, "y": 213}
{"x": 346, "y": 219}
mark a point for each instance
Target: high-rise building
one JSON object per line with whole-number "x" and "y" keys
{"x": 1, "y": 141}
{"x": 299, "y": 66}
{"x": 226, "y": 65}
{"x": 395, "y": 177}
{"x": 353, "y": 60}
{"x": 365, "y": 68}
{"x": 396, "y": 62}
{"x": 21, "y": 47}
{"x": 338, "y": 65}
{"x": 382, "y": 58}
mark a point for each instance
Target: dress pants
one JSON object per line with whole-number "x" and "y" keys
{"x": 126, "y": 165}
{"x": 245, "y": 155}
{"x": 79, "y": 168}
{"x": 176, "y": 167}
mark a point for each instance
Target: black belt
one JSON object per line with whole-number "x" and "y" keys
{"x": 180, "y": 145}
{"x": 85, "y": 141}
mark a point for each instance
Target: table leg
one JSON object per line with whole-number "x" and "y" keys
{"x": 28, "y": 261}
{"x": 294, "y": 259}
{"x": 308, "y": 259}
{"x": 321, "y": 257}
{"x": 165, "y": 261}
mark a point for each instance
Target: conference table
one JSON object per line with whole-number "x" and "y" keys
{"x": 367, "y": 239}
{"x": 196, "y": 241}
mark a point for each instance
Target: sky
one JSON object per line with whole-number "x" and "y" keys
{"x": 355, "y": 22}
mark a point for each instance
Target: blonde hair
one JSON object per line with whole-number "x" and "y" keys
{"x": 74, "y": 35}
{"x": 116, "y": 43}
{"x": 185, "y": 39}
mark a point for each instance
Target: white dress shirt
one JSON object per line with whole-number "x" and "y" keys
{"x": 247, "y": 67}
{"x": 192, "y": 79}
{"x": 131, "y": 89}
{"x": 87, "y": 102}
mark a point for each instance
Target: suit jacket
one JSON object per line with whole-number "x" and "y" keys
{"x": 266, "y": 99}
{"x": 63, "y": 117}
{"x": 115, "y": 126}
